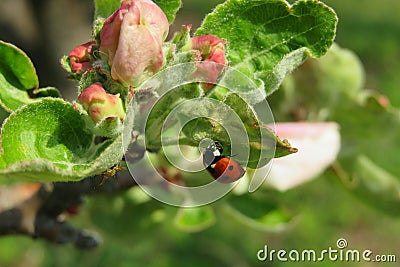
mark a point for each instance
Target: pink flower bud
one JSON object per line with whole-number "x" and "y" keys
{"x": 78, "y": 67}
{"x": 211, "y": 50}
{"x": 131, "y": 40}
{"x": 101, "y": 105}
{"x": 80, "y": 57}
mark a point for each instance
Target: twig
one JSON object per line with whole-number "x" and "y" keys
{"x": 38, "y": 214}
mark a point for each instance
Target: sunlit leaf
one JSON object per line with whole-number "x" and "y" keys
{"x": 269, "y": 38}
{"x": 48, "y": 141}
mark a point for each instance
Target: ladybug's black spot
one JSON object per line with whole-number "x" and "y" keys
{"x": 224, "y": 179}
{"x": 230, "y": 167}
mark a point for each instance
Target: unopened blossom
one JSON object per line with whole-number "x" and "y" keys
{"x": 211, "y": 48}
{"x": 212, "y": 54}
{"x": 101, "y": 105}
{"x": 131, "y": 40}
{"x": 80, "y": 57}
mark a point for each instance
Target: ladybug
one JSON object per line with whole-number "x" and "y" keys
{"x": 224, "y": 169}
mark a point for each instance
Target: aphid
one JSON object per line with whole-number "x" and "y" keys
{"x": 222, "y": 168}
{"x": 111, "y": 172}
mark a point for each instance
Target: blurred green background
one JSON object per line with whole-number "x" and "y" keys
{"x": 137, "y": 233}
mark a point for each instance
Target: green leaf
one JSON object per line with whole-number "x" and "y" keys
{"x": 180, "y": 114}
{"x": 18, "y": 80}
{"x": 46, "y": 92}
{"x": 269, "y": 38}
{"x": 320, "y": 84}
{"x": 376, "y": 186}
{"x": 339, "y": 70}
{"x": 17, "y": 75}
{"x": 258, "y": 213}
{"x": 170, "y": 7}
{"x": 194, "y": 219}
{"x": 3, "y": 114}
{"x": 16, "y": 63}
{"x": 261, "y": 137}
{"x": 109, "y": 127}
{"x": 48, "y": 141}
{"x": 163, "y": 108}
{"x": 43, "y": 130}
{"x": 234, "y": 124}
{"x": 104, "y": 8}
{"x": 240, "y": 130}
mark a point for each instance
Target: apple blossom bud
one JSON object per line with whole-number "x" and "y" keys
{"x": 211, "y": 50}
{"x": 80, "y": 57}
{"x": 101, "y": 105}
{"x": 131, "y": 41}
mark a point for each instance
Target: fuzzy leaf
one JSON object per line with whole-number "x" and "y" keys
{"x": 231, "y": 120}
{"x": 235, "y": 126}
{"x": 18, "y": 80}
{"x": 17, "y": 75}
{"x": 170, "y": 7}
{"x": 46, "y": 92}
{"x": 48, "y": 141}
{"x": 269, "y": 38}
{"x": 163, "y": 108}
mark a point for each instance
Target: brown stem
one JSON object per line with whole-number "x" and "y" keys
{"x": 39, "y": 215}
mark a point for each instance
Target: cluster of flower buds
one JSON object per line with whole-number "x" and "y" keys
{"x": 129, "y": 49}
{"x": 131, "y": 40}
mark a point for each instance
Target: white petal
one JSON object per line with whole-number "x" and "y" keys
{"x": 318, "y": 145}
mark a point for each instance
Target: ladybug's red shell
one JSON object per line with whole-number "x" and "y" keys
{"x": 226, "y": 170}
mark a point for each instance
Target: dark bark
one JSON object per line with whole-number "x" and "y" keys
{"x": 55, "y": 200}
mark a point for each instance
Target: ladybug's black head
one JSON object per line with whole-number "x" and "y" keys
{"x": 212, "y": 153}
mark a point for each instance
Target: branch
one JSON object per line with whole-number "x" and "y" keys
{"x": 35, "y": 209}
